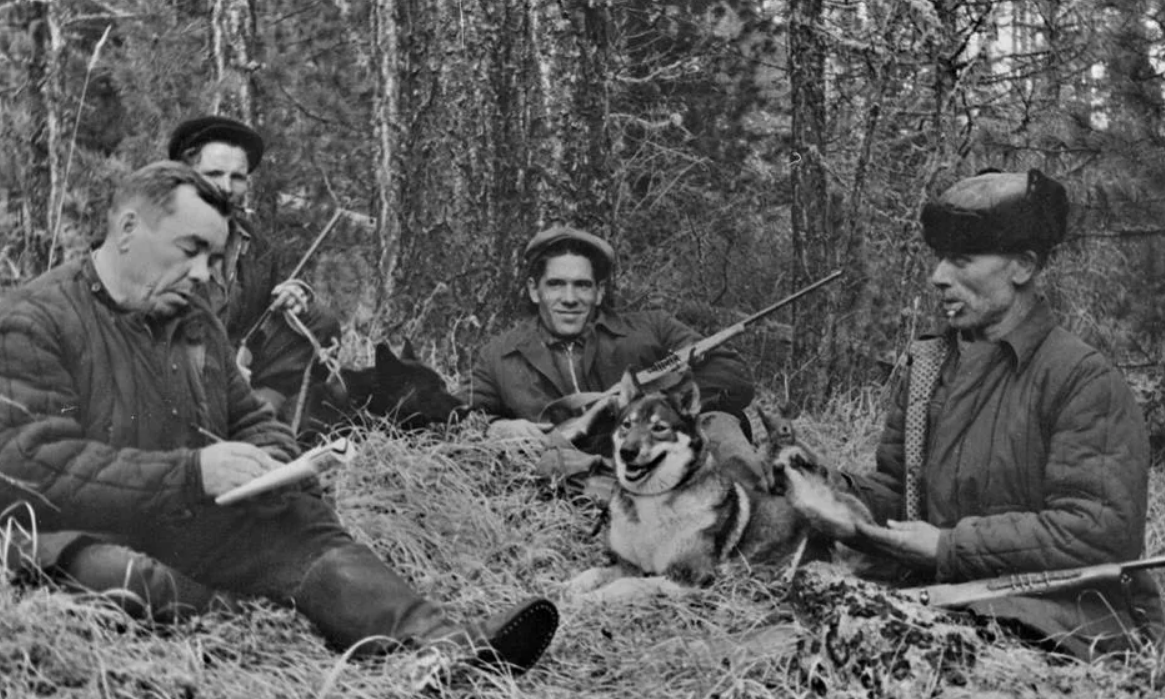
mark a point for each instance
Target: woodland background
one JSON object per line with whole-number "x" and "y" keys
{"x": 732, "y": 151}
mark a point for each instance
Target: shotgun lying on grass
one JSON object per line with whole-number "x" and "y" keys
{"x": 596, "y": 402}
{"x": 962, "y": 594}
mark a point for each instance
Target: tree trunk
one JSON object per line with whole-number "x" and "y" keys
{"x": 233, "y": 42}
{"x": 386, "y": 127}
{"x": 42, "y": 176}
{"x": 812, "y": 242}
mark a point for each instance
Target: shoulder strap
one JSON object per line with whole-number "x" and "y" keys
{"x": 926, "y": 361}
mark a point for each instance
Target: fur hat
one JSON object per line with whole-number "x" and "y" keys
{"x": 556, "y": 234}
{"x": 998, "y": 212}
{"x": 196, "y": 132}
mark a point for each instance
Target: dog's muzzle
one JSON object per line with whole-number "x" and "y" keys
{"x": 635, "y": 471}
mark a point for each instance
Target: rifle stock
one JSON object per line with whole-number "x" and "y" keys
{"x": 961, "y": 594}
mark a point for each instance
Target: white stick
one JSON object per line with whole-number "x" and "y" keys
{"x": 310, "y": 464}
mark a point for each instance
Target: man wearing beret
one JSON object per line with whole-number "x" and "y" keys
{"x": 250, "y": 277}
{"x": 116, "y": 374}
{"x": 1013, "y": 446}
{"x": 574, "y": 342}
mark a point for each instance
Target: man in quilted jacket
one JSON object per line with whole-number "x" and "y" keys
{"x": 1031, "y": 452}
{"x": 124, "y": 415}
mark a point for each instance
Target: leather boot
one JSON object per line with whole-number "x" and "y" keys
{"x": 143, "y": 587}
{"x": 512, "y": 640}
{"x": 351, "y": 595}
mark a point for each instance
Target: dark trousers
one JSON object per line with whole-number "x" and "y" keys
{"x": 287, "y": 547}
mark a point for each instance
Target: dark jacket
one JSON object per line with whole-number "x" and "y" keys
{"x": 515, "y": 375}
{"x": 101, "y": 411}
{"x": 240, "y": 293}
{"x": 1037, "y": 460}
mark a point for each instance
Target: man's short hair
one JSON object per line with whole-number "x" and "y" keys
{"x": 156, "y": 183}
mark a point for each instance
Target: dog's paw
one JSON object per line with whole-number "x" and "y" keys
{"x": 820, "y": 496}
{"x": 635, "y": 589}
{"x": 588, "y": 581}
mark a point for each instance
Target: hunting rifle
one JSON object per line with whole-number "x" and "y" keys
{"x": 596, "y": 402}
{"x": 962, "y": 594}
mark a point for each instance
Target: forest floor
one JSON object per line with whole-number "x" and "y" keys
{"x": 465, "y": 521}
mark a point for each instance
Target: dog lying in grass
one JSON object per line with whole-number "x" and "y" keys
{"x": 676, "y": 516}
{"x": 402, "y": 389}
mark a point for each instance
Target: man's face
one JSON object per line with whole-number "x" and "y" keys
{"x": 168, "y": 255}
{"x": 226, "y": 166}
{"x": 979, "y": 292}
{"x": 566, "y": 294}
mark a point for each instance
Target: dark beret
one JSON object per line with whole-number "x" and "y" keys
{"x": 196, "y": 132}
{"x": 998, "y": 212}
{"x": 543, "y": 240}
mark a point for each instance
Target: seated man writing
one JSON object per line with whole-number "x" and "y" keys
{"x": 115, "y": 375}
{"x": 1012, "y": 446}
{"x": 574, "y": 342}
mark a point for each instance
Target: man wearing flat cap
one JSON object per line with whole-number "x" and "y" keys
{"x": 1012, "y": 446}
{"x": 574, "y": 343}
{"x": 251, "y": 276}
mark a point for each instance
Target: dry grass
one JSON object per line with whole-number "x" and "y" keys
{"x": 467, "y": 524}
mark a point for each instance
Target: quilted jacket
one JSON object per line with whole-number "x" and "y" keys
{"x": 1037, "y": 459}
{"x": 102, "y": 411}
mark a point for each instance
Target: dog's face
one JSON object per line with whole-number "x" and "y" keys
{"x": 656, "y": 444}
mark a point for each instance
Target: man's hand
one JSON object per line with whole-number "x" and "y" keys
{"x": 292, "y": 295}
{"x": 519, "y": 429}
{"x": 243, "y": 362}
{"x": 914, "y": 543}
{"x": 227, "y": 465}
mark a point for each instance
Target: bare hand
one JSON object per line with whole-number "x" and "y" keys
{"x": 292, "y": 295}
{"x": 227, "y": 465}
{"x": 519, "y": 429}
{"x": 915, "y": 543}
{"x": 243, "y": 362}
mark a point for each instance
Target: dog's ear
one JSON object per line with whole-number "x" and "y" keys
{"x": 765, "y": 420}
{"x": 629, "y": 389}
{"x": 386, "y": 361}
{"x": 685, "y": 395}
{"x": 407, "y": 353}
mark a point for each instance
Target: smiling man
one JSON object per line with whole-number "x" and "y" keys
{"x": 574, "y": 342}
{"x": 116, "y": 378}
{"x": 1013, "y": 446}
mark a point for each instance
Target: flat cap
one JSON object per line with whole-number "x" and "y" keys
{"x": 555, "y": 234}
{"x": 998, "y": 212}
{"x": 196, "y": 132}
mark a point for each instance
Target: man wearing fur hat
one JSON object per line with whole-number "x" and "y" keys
{"x": 574, "y": 342}
{"x": 251, "y": 275}
{"x": 1013, "y": 446}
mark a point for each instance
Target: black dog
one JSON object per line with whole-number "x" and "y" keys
{"x": 402, "y": 389}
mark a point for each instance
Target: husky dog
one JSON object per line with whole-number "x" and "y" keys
{"x": 675, "y": 514}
